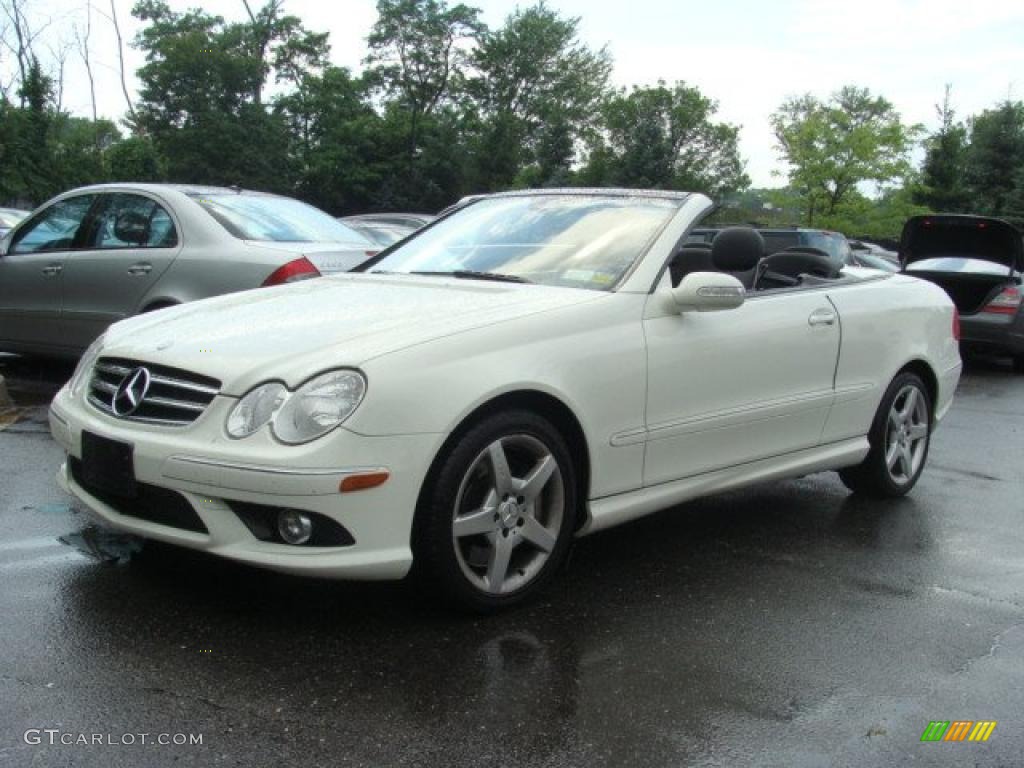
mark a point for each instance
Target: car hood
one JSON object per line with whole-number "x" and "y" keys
{"x": 328, "y": 258}
{"x": 294, "y": 331}
{"x": 950, "y": 236}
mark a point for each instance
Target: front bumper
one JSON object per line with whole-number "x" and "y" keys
{"x": 209, "y": 470}
{"x": 994, "y": 333}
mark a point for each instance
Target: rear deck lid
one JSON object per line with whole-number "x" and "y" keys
{"x": 949, "y": 236}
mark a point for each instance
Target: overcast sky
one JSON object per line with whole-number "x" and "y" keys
{"x": 747, "y": 55}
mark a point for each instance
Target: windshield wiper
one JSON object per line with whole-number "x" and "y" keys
{"x": 472, "y": 274}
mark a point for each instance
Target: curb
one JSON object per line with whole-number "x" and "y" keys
{"x": 5, "y": 399}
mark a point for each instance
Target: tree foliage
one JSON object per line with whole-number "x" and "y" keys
{"x": 538, "y": 91}
{"x": 995, "y": 160}
{"x": 944, "y": 182}
{"x": 833, "y": 146}
{"x": 665, "y": 137}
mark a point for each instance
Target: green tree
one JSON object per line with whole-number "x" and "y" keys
{"x": 417, "y": 52}
{"x": 136, "y": 159}
{"x": 539, "y": 92}
{"x": 337, "y": 141}
{"x": 665, "y": 137}
{"x": 200, "y": 92}
{"x": 944, "y": 185}
{"x": 832, "y": 147}
{"x": 995, "y": 157}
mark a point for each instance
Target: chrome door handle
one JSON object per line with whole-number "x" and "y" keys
{"x": 822, "y": 317}
{"x": 53, "y": 269}
{"x": 140, "y": 269}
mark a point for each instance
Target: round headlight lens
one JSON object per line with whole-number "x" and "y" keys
{"x": 256, "y": 409}
{"x": 85, "y": 365}
{"x": 319, "y": 406}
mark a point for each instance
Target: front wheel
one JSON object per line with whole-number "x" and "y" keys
{"x": 899, "y": 439}
{"x": 498, "y": 518}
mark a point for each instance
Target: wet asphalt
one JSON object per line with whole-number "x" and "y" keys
{"x": 784, "y": 625}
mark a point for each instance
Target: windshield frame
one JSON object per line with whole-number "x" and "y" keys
{"x": 676, "y": 199}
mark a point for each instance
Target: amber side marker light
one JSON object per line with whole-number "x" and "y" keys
{"x": 363, "y": 481}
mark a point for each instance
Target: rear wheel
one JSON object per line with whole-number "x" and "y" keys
{"x": 899, "y": 439}
{"x": 1018, "y": 364}
{"x": 498, "y": 520}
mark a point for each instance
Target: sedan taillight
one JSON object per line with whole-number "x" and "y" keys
{"x": 299, "y": 269}
{"x": 1006, "y": 303}
{"x": 956, "y": 324}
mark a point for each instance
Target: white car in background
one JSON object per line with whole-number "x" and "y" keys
{"x": 534, "y": 367}
{"x": 99, "y": 254}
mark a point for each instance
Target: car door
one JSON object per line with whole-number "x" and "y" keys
{"x": 738, "y": 385}
{"x": 31, "y": 274}
{"x": 130, "y": 241}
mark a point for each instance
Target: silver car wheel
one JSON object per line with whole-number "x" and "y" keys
{"x": 906, "y": 436}
{"x": 508, "y": 514}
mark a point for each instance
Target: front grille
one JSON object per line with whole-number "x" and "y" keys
{"x": 152, "y": 503}
{"x": 174, "y": 398}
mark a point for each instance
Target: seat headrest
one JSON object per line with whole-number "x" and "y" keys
{"x": 695, "y": 258}
{"x": 737, "y": 249}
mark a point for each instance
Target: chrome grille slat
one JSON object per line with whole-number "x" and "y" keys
{"x": 183, "y": 385}
{"x": 174, "y": 397}
{"x": 168, "y": 403}
{"x": 115, "y": 370}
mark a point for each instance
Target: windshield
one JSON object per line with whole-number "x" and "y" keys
{"x": 568, "y": 240}
{"x": 832, "y": 243}
{"x": 277, "y": 219}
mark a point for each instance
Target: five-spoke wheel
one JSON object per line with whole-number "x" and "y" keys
{"x": 899, "y": 439}
{"x": 499, "y": 518}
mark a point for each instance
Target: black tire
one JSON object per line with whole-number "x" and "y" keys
{"x": 874, "y": 477}
{"x": 1018, "y": 364}
{"x": 460, "y": 483}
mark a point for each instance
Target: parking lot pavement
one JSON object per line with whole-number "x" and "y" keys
{"x": 785, "y": 625}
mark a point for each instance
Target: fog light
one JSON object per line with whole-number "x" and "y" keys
{"x": 294, "y": 527}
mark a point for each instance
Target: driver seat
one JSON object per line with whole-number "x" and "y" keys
{"x": 736, "y": 251}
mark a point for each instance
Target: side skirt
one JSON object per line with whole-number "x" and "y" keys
{"x": 612, "y": 510}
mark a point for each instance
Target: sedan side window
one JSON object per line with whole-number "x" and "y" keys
{"x": 132, "y": 221}
{"x": 55, "y": 228}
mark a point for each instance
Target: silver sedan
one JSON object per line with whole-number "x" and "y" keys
{"x": 98, "y": 254}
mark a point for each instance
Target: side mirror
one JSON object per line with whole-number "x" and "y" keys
{"x": 708, "y": 292}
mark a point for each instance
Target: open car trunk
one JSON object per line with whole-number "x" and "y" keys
{"x": 972, "y": 258}
{"x": 969, "y": 291}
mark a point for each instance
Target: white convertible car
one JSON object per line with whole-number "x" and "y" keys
{"x": 533, "y": 367}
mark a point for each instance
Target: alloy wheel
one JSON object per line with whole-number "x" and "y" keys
{"x": 508, "y": 514}
{"x": 906, "y": 434}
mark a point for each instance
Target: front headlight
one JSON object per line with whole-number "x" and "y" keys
{"x": 318, "y": 406}
{"x": 256, "y": 409}
{"x": 85, "y": 365}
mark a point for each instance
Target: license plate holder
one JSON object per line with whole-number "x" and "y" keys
{"x": 109, "y": 465}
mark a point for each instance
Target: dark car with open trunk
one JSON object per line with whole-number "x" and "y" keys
{"x": 978, "y": 261}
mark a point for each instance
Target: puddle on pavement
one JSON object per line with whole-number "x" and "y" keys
{"x": 103, "y": 544}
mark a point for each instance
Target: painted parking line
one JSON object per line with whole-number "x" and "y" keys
{"x": 43, "y": 561}
{"x": 40, "y": 542}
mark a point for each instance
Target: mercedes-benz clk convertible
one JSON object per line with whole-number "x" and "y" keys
{"x": 531, "y": 368}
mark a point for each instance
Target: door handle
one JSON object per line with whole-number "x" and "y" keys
{"x": 53, "y": 269}
{"x": 140, "y": 269}
{"x": 822, "y": 317}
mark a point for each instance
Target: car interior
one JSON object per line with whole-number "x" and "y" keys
{"x": 740, "y": 252}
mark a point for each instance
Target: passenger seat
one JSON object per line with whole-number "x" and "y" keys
{"x": 737, "y": 251}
